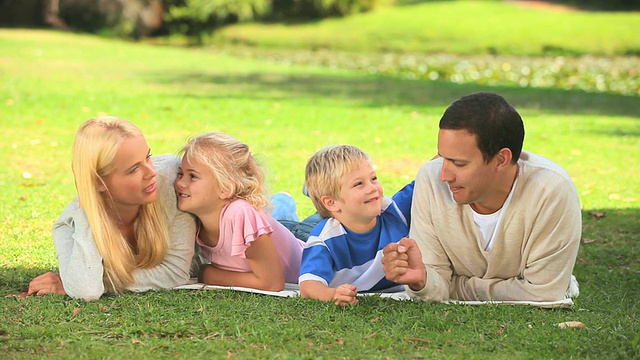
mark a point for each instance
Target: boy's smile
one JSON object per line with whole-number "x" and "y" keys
{"x": 360, "y": 199}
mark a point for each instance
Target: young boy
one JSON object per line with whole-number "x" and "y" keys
{"x": 343, "y": 253}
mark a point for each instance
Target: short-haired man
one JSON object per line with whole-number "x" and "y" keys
{"x": 490, "y": 222}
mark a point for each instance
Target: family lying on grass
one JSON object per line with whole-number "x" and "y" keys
{"x": 482, "y": 221}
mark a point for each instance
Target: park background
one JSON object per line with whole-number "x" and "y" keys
{"x": 377, "y": 75}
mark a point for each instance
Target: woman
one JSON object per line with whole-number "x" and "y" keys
{"x": 123, "y": 231}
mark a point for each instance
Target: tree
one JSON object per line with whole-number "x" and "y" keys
{"x": 195, "y": 18}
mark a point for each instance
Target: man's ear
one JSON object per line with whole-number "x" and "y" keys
{"x": 503, "y": 159}
{"x": 329, "y": 203}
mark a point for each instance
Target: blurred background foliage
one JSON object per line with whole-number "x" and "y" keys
{"x": 607, "y": 5}
{"x": 194, "y": 19}
{"x": 136, "y": 19}
{"x": 194, "y": 22}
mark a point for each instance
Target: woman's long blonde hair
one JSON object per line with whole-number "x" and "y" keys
{"x": 96, "y": 143}
{"x": 232, "y": 165}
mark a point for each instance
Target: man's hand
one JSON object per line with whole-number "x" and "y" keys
{"x": 47, "y": 283}
{"x": 402, "y": 263}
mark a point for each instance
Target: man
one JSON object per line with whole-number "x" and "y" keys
{"x": 490, "y": 222}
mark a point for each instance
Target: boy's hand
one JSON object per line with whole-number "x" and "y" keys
{"x": 403, "y": 264}
{"x": 345, "y": 295}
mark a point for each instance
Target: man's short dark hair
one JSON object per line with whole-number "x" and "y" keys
{"x": 491, "y": 118}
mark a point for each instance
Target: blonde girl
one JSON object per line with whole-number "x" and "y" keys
{"x": 221, "y": 183}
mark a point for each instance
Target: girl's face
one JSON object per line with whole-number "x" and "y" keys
{"x": 132, "y": 182}
{"x": 197, "y": 190}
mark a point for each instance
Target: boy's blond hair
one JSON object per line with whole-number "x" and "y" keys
{"x": 325, "y": 170}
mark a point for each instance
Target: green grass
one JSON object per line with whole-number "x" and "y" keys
{"x": 460, "y": 27}
{"x": 483, "y": 42}
{"x": 52, "y": 82}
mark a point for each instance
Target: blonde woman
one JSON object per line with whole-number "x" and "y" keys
{"x": 123, "y": 231}
{"x": 221, "y": 183}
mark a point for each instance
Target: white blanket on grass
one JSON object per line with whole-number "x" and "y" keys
{"x": 293, "y": 290}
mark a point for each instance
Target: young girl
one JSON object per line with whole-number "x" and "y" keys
{"x": 123, "y": 230}
{"x": 221, "y": 183}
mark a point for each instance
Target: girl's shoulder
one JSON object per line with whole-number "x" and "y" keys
{"x": 240, "y": 214}
{"x": 240, "y": 205}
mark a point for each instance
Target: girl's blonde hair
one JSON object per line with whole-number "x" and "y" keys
{"x": 232, "y": 165}
{"x": 325, "y": 169}
{"x": 96, "y": 143}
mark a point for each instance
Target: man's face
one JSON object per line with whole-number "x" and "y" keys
{"x": 470, "y": 179}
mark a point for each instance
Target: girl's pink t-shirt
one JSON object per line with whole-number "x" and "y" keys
{"x": 240, "y": 224}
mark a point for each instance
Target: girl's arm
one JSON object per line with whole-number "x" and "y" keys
{"x": 343, "y": 295}
{"x": 266, "y": 269}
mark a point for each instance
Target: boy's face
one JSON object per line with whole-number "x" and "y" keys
{"x": 360, "y": 199}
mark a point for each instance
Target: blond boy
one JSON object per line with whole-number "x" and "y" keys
{"x": 343, "y": 253}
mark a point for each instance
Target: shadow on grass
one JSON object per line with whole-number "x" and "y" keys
{"x": 379, "y": 91}
{"x": 607, "y": 267}
{"x": 610, "y": 239}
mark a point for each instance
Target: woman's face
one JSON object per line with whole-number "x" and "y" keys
{"x": 132, "y": 182}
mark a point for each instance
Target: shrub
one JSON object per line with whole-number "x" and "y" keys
{"x": 133, "y": 19}
{"x": 611, "y": 5}
{"x": 312, "y": 9}
{"x": 195, "y": 18}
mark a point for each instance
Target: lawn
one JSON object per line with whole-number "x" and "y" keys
{"x": 454, "y": 27}
{"x": 51, "y": 82}
{"x": 528, "y": 43}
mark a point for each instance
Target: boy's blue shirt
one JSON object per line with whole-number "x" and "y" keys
{"x": 334, "y": 255}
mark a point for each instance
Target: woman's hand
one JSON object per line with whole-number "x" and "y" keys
{"x": 47, "y": 283}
